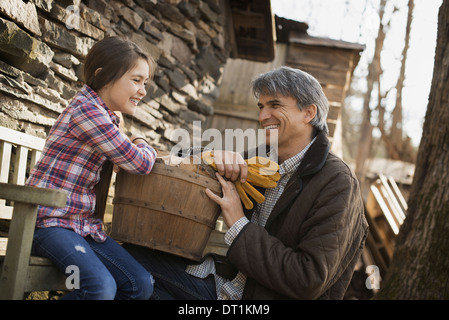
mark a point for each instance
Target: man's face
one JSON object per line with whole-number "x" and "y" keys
{"x": 281, "y": 114}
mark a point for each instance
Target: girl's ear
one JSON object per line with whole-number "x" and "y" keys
{"x": 97, "y": 71}
{"x": 310, "y": 113}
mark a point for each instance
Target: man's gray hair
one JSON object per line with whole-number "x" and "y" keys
{"x": 290, "y": 82}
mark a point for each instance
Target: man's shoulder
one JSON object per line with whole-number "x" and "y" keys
{"x": 336, "y": 164}
{"x": 335, "y": 160}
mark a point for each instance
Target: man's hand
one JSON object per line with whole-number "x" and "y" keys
{"x": 231, "y": 207}
{"x": 231, "y": 165}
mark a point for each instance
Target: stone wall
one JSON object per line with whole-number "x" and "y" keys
{"x": 43, "y": 44}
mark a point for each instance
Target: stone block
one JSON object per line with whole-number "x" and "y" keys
{"x": 152, "y": 30}
{"x": 180, "y": 31}
{"x": 95, "y": 18}
{"x": 22, "y": 51}
{"x": 148, "y": 47}
{"x": 131, "y": 17}
{"x": 201, "y": 107}
{"x": 210, "y": 15}
{"x": 170, "y": 105}
{"x": 189, "y": 10}
{"x": 189, "y": 116}
{"x": 13, "y": 83}
{"x": 72, "y": 19}
{"x": 214, "y": 5}
{"x": 208, "y": 29}
{"x": 177, "y": 79}
{"x": 24, "y": 14}
{"x": 44, "y": 5}
{"x": 181, "y": 52}
{"x": 66, "y": 59}
{"x": 101, "y": 6}
{"x": 163, "y": 82}
{"x": 64, "y": 73}
{"x": 60, "y": 37}
{"x": 9, "y": 70}
{"x": 170, "y": 12}
{"x": 208, "y": 63}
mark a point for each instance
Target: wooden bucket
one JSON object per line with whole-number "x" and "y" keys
{"x": 167, "y": 210}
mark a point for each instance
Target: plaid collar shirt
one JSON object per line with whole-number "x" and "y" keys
{"x": 83, "y": 137}
{"x": 233, "y": 289}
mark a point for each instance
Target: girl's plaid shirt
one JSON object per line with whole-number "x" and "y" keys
{"x": 84, "y": 136}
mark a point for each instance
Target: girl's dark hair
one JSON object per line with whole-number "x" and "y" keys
{"x": 114, "y": 56}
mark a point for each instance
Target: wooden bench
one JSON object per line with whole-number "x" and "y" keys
{"x": 21, "y": 272}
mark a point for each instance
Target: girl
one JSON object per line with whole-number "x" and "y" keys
{"x": 84, "y": 136}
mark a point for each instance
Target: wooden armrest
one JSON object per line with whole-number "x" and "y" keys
{"x": 32, "y": 195}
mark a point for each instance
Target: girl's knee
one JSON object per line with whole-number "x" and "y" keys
{"x": 145, "y": 286}
{"x": 102, "y": 288}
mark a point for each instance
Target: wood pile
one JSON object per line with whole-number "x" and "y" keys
{"x": 385, "y": 209}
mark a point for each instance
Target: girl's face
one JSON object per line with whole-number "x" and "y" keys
{"x": 124, "y": 94}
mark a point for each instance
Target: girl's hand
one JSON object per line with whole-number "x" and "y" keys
{"x": 231, "y": 207}
{"x": 134, "y": 137}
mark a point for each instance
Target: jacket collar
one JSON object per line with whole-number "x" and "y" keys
{"x": 316, "y": 156}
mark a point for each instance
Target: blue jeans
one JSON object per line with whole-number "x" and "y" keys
{"x": 171, "y": 282}
{"x": 106, "y": 270}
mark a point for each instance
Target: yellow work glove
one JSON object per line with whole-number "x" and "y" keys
{"x": 262, "y": 172}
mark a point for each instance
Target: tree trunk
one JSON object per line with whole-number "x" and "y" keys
{"x": 397, "y": 145}
{"x": 420, "y": 265}
{"x": 374, "y": 71}
{"x": 396, "y": 127}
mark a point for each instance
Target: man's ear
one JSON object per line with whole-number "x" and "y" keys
{"x": 310, "y": 113}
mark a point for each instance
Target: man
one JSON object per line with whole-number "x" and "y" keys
{"x": 304, "y": 240}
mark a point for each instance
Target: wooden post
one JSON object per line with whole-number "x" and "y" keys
{"x": 20, "y": 238}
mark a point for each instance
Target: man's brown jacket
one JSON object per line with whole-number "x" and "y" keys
{"x": 313, "y": 237}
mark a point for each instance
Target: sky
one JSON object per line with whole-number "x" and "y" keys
{"x": 354, "y": 21}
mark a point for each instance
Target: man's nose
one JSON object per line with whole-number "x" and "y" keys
{"x": 264, "y": 114}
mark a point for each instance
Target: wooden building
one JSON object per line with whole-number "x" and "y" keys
{"x": 332, "y": 62}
